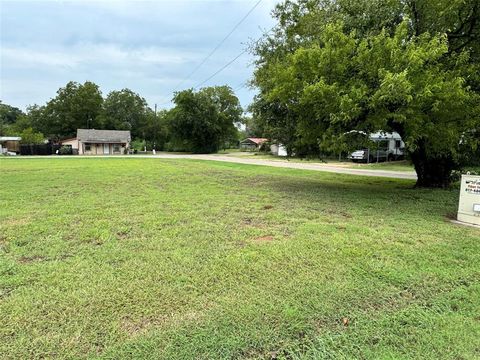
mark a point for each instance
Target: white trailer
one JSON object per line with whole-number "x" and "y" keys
{"x": 387, "y": 147}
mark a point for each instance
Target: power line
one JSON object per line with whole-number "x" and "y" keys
{"x": 239, "y": 86}
{"x": 221, "y": 69}
{"x": 228, "y": 64}
{"x": 219, "y": 44}
{"x": 232, "y": 61}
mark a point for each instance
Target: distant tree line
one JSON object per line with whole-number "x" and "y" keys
{"x": 201, "y": 121}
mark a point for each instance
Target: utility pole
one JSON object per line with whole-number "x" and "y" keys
{"x": 156, "y": 131}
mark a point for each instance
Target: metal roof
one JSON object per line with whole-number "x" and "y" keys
{"x": 112, "y": 136}
{"x": 10, "y": 138}
{"x": 257, "y": 141}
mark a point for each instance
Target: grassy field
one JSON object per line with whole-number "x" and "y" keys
{"x": 182, "y": 259}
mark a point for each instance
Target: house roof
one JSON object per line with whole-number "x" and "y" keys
{"x": 106, "y": 136}
{"x": 68, "y": 139}
{"x": 10, "y": 138}
{"x": 257, "y": 141}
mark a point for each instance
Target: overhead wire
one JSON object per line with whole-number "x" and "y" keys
{"x": 231, "y": 61}
{"x": 209, "y": 55}
{"x": 221, "y": 69}
{"x": 228, "y": 63}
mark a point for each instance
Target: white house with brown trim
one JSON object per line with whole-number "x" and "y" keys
{"x": 99, "y": 142}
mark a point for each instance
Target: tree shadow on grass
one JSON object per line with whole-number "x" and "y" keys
{"x": 368, "y": 195}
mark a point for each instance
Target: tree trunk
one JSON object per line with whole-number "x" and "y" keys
{"x": 432, "y": 170}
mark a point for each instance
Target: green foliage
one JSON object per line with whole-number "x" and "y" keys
{"x": 253, "y": 127}
{"x": 65, "y": 150}
{"x": 138, "y": 145}
{"x": 332, "y": 69}
{"x": 203, "y": 121}
{"x": 125, "y": 110}
{"x": 156, "y": 130}
{"x": 30, "y": 137}
{"x": 22, "y": 122}
{"x": 8, "y": 116}
{"x": 184, "y": 128}
{"x": 76, "y": 106}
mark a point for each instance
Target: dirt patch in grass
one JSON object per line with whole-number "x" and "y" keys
{"x": 450, "y": 216}
{"x": 140, "y": 326}
{"x": 137, "y": 327}
{"x": 253, "y": 223}
{"x": 268, "y": 207}
{"x": 3, "y": 240}
{"x": 17, "y": 221}
{"x": 266, "y": 238}
{"x": 31, "y": 259}
{"x": 336, "y": 212}
{"x": 123, "y": 234}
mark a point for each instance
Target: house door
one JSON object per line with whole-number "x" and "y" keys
{"x": 106, "y": 148}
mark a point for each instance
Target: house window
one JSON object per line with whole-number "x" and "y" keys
{"x": 398, "y": 144}
{"x": 116, "y": 148}
{"x": 87, "y": 147}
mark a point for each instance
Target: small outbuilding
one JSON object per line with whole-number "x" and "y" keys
{"x": 99, "y": 142}
{"x": 252, "y": 143}
{"x": 10, "y": 144}
{"x": 278, "y": 150}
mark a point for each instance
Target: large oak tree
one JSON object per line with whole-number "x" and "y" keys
{"x": 332, "y": 66}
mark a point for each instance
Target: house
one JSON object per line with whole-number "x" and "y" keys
{"x": 10, "y": 144}
{"x": 252, "y": 144}
{"x": 99, "y": 142}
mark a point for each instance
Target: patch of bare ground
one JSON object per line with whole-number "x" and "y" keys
{"x": 122, "y": 234}
{"x": 251, "y": 354}
{"x": 253, "y": 223}
{"x": 336, "y": 212}
{"x": 31, "y": 259}
{"x": 17, "y": 221}
{"x": 450, "y": 216}
{"x": 136, "y": 327}
{"x": 3, "y": 240}
{"x": 262, "y": 239}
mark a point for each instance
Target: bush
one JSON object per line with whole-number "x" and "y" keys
{"x": 65, "y": 150}
{"x": 138, "y": 145}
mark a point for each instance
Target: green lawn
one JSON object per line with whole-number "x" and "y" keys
{"x": 388, "y": 165}
{"x": 182, "y": 259}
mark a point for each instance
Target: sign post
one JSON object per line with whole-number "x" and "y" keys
{"x": 469, "y": 203}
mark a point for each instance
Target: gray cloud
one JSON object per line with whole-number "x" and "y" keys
{"x": 148, "y": 46}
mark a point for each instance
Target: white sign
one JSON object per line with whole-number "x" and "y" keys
{"x": 469, "y": 203}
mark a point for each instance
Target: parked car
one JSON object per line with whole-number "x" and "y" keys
{"x": 387, "y": 147}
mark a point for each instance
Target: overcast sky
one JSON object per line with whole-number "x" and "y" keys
{"x": 146, "y": 46}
